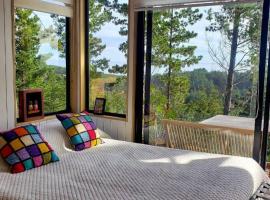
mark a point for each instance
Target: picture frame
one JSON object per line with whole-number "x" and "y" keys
{"x": 99, "y": 107}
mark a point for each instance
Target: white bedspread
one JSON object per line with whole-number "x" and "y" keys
{"x": 122, "y": 170}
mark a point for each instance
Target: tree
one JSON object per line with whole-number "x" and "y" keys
{"x": 32, "y": 70}
{"x": 201, "y": 105}
{"x": 237, "y": 24}
{"x": 27, "y": 46}
{"x": 171, "y": 53}
{"x": 60, "y": 30}
{"x": 204, "y": 99}
{"x": 99, "y": 14}
{"x": 104, "y": 12}
{"x": 122, "y": 20}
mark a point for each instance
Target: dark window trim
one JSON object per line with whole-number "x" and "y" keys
{"x": 139, "y": 76}
{"x": 148, "y": 65}
{"x": 260, "y": 138}
{"x": 68, "y": 105}
{"x": 86, "y": 61}
{"x": 87, "y": 74}
{"x": 110, "y": 114}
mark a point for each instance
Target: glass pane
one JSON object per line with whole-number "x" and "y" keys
{"x": 108, "y": 54}
{"x": 40, "y": 56}
{"x": 204, "y": 71}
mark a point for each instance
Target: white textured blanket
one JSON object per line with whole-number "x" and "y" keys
{"x": 122, "y": 170}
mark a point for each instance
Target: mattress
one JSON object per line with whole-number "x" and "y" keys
{"x": 124, "y": 170}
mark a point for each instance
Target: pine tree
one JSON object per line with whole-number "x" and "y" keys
{"x": 171, "y": 53}
{"x": 31, "y": 68}
{"x": 99, "y": 14}
{"x": 27, "y": 46}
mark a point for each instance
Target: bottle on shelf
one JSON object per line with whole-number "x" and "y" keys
{"x": 36, "y": 105}
{"x": 30, "y": 106}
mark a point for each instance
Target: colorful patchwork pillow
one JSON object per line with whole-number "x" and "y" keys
{"x": 81, "y": 130}
{"x": 24, "y": 148}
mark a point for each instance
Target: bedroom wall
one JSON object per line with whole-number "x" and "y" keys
{"x": 117, "y": 129}
{"x": 7, "y": 92}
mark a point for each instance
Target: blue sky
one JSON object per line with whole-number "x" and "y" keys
{"x": 112, "y": 39}
{"x": 45, "y": 48}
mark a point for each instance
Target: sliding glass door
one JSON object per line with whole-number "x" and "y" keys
{"x": 201, "y": 69}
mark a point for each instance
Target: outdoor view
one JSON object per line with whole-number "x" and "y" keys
{"x": 195, "y": 51}
{"x": 108, "y": 46}
{"x": 40, "y": 56}
{"x": 204, "y": 63}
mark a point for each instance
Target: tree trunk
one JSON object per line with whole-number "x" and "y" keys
{"x": 170, "y": 67}
{"x": 231, "y": 70}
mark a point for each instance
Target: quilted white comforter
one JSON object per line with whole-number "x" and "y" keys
{"x": 122, "y": 170}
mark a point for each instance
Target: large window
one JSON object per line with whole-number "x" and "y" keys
{"x": 204, "y": 65}
{"x": 107, "y": 57}
{"x": 41, "y": 56}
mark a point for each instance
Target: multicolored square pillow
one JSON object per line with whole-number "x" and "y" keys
{"x": 24, "y": 148}
{"x": 81, "y": 130}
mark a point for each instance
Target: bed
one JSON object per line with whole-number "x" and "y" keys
{"x": 123, "y": 170}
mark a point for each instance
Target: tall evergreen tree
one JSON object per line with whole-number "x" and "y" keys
{"x": 27, "y": 46}
{"x": 171, "y": 52}
{"x": 99, "y": 15}
{"x": 32, "y": 70}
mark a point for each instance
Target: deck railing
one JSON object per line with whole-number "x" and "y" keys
{"x": 209, "y": 138}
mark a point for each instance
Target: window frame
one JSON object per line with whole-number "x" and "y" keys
{"x": 260, "y": 143}
{"x": 67, "y": 58}
{"x": 87, "y": 75}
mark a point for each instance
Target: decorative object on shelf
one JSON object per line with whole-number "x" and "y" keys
{"x": 31, "y": 105}
{"x": 36, "y": 106}
{"x": 99, "y": 106}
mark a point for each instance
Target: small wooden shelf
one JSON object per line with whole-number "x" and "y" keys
{"x": 31, "y": 97}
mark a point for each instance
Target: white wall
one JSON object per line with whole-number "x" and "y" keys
{"x": 7, "y": 102}
{"x": 117, "y": 129}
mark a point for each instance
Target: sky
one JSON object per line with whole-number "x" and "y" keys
{"x": 110, "y": 36}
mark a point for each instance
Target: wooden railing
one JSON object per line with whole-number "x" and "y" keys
{"x": 209, "y": 138}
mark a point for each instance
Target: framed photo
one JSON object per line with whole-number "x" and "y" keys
{"x": 99, "y": 106}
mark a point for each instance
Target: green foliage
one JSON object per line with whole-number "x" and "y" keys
{"x": 31, "y": 68}
{"x": 122, "y": 10}
{"x": 60, "y": 31}
{"x": 27, "y": 47}
{"x": 99, "y": 15}
{"x": 103, "y": 12}
{"x": 171, "y": 54}
{"x": 116, "y": 96}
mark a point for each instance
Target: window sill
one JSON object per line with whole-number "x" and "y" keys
{"x": 109, "y": 117}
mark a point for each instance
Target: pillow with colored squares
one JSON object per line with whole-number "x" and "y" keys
{"x": 81, "y": 130}
{"x": 24, "y": 148}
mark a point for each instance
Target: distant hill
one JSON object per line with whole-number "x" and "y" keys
{"x": 59, "y": 70}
